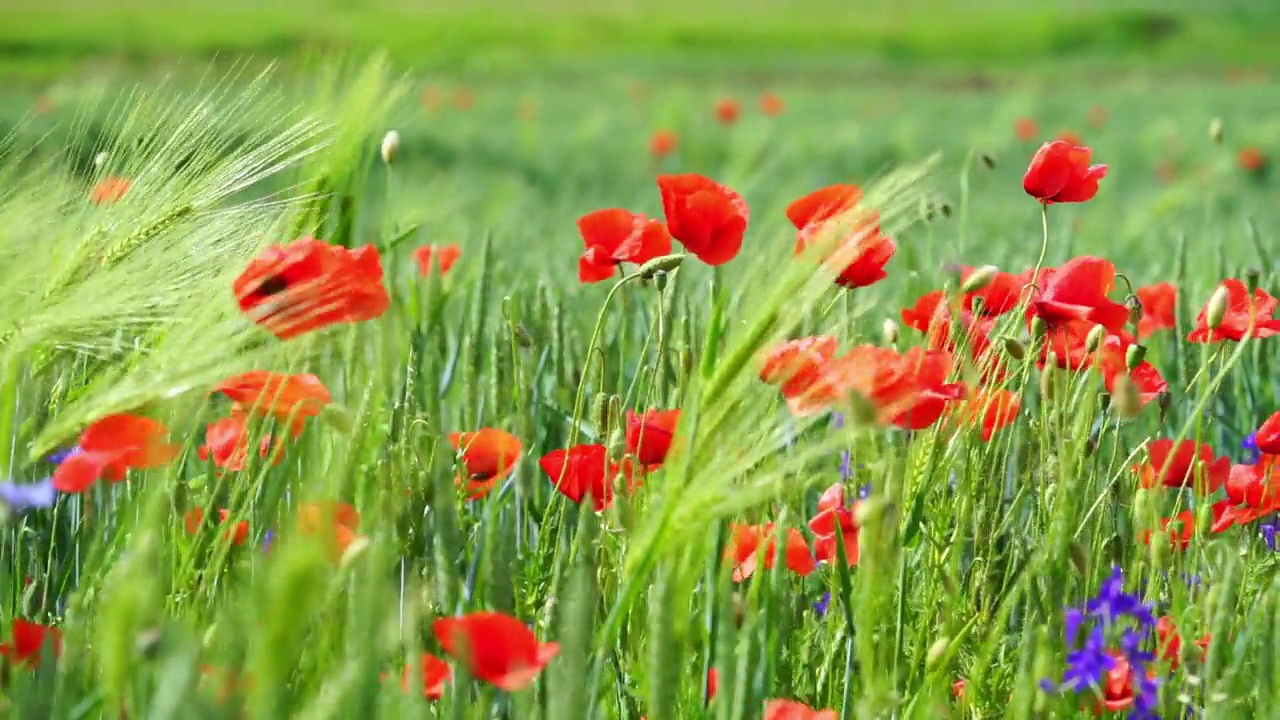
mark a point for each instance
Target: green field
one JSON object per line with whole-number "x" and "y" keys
{"x": 973, "y": 557}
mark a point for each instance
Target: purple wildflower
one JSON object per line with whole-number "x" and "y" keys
{"x": 1113, "y": 603}
{"x": 266, "y": 540}
{"x": 1268, "y": 531}
{"x": 846, "y": 465}
{"x": 822, "y": 605}
{"x": 21, "y": 497}
{"x": 58, "y": 456}
{"x": 864, "y": 491}
{"x": 837, "y": 420}
{"x": 1251, "y": 452}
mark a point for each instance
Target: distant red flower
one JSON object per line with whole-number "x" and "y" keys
{"x": 747, "y": 542}
{"x": 1069, "y": 137}
{"x": 1240, "y": 310}
{"x": 1077, "y": 291}
{"x": 708, "y": 218}
{"x": 663, "y": 143}
{"x": 1179, "y": 530}
{"x": 464, "y": 99}
{"x": 727, "y": 111}
{"x": 584, "y": 471}
{"x": 444, "y": 255}
{"x": 290, "y": 398}
{"x": 487, "y": 457}
{"x": 771, "y": 104}
{"x": 615, "y": 236}
{"x": 111, "y": 447}
{"x": 800, "y": 368}
{"x": 1189, "y": 464}
{"x": 1060, "y": 172}
{"x": 237, "y": 534}
{"x": 861, "y": 253}
{"x": 1097, "y": 116}
{"x": 991, "y": 410}
{"x": 1166, "y": 172}
{"x": 434, "y": 673}
{"x": 1256, "y": 485}
{"x": 496, "y": 648}
{"x": 1110, "y": 360}
{"x": 909, "y": 390}
{"x": 1169, "y": 643}
{"x": 110, "y": 189}
{"x": 227, "y": 443}
{"x": 332, "y": 523}
{"x": 649, "y": 435}
{"x": 27, "y": 642}
{"x": 1026, "y": 129}
{"x": 1158, "y": 304}
{"x": 1117, "y": 688}
{"x": 430, "y": 98}
{"x": 793, "y": 710}
{"x": 835, "y": 517}
{"x": 1252, "y": 160}
{"x": 309, "y": 284}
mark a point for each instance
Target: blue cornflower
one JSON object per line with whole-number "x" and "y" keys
{"x": 837, "y": 420}
{"x": 1251, "y": 452}
{"x": 1268, "y": 531}
{"x": 57, "y": 456}
{"x": 21, "y": 497}
{"x": 864, "y": 491}
{"x": 846, "y": 465}
{"x": 266, "y": 540}
{"x": 822, "y": 605}
{"x": 1113, "y": 603}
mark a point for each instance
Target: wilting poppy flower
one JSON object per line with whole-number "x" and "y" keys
{"x": 1169, "y": 642}
{"x": 443, "y": 255}
{"x": 227, "y": 443}
{"x": 1026, "y": 129}
{"x": 615, "y": 236}
{"x": 792, "y": 710}
{"x": 909, "y": 390}
{"x": 111, "y": 189}
{"x": 111, "y": 447}
{"x": 1111, "y": 362}
{"x": 309, "y": 284}
{"x": 1158, "y": 305}
{"x": 488, "y": 456}
{"x": 1240, "y": 311}
{"x": 649, "y": 435}
{"x": 496, "y": 648}
{"x": 290, "y": 398}
{"x": 582, "y": 471}
{"x": 727, "y": 111}
{"x": 861, "y": 253}
{"x": 1077, "y": 291}
{"x": 747, "y": 542}
{"x": 1252, "y": 160}
{"x": 708, "y": 218}
{"x": 237, "y": 535}
{"x": 991, "y": 410}
{"x": 771, "y": 104}
{"x": 1179, "y": 529}
{"x": 27, "y": 641}
{"x": 1189, "y": 464}
{"x": 1257, "y": 486}
{"x": 434, "y": 674}
{"x": 1060, "y": 172}
{"x": 663, "y": 143}
{"x": 333, "y": 523}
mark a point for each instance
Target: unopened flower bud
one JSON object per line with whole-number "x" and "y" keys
{"x": 662, "y": 264}
{"x": 1134, "y": 356}
{"x": 1078, "y": 557}
{"x": 600, "y": 413}
{"x": 1252, "y": 277}
{"x": 1216, "y": 310}
{"x": 1215, "y": 130}
{"x": 979, "y": 279}
{"x": 1014, "y": 348}
{"x": 989, "y": 160}
{"x": 390, "y": 146}
{"x": 889, "y": 329}
{"x": 1038, "y": 328}
{"x": 1047, "y": 379}
{"x": 1125, "y": 399}
{"x": 101, "y": 159}
{"x": 617, "y": 443}
{"x": 937, "y": 652}
{"x": 354, "y": 551}
{"x": 1093, "y": 340}
{"x": 1135, "y": 309}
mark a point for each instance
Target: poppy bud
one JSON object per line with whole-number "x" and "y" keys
{"x": 662, "y": 264}
{"x": 1134, "y": 356}
{"x": 101, "y": 159}
{"x": 1217, "y": 308}
{"x": 1046, "y": 377}
{"x": 1215, "y": 131}
{"x": 1014, "y": 348}
{"x": 1038, "y": 328}
{"x": 1124, "y": 398}
{"x": 1093, "y": 340}
{"x": 937, "y": 652}
{"x": 979, "y": 279}
{"x": 989, "y": 160}
{"x": 1252, "y": 277}
{"x": 523, "y": 338}
{"x": 1135, "y": 309}
{"x": 390, "y": 146}
{"x": 1165, "y": 400}
{"x": 618, "y": 443}
{"x": 357, "y": 548}
{"x": 1078, "y": 557}
{"x": 889, "y": 329}
{"x": 600, "y": 413}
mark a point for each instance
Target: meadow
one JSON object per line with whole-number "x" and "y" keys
{"x": 602, "y": 394}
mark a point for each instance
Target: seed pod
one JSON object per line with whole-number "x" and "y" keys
{"x": 979, "y": 279}
{"x": 1014, "y": 348}
{"x": 1252, "y": 277}
{"x": 1215, "y": 131}
{"x": 1125, "y": 399}
{"x": 663, "y": 264}
{"x": 1135, "y": 309}
{"x": 1134, "y": 356}
{"x": 889, "y": 330}
{"x": 1216, "y": 310}
{"x": 390, "y": 146}
{"x": 1093, "y": 340}
{"x": 600, "y": 413}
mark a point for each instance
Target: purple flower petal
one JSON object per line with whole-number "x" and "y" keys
{"x": 20, "y": 497}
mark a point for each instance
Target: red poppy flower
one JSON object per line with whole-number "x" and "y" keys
{"x": 861, "y": 254}
{"x": 663, "y": 143}
{"x": 771, "y": 104}
{"x": 464, "y": 99}
{"x": 1169, "y": 642}
{"x": 1117, "y": 688}
{"x": 1226, "y": 514}
{"x": 434, "y": 674}
{"x": 237, "y": 535}
{"x": 496, "y": 648}
{"x": 1077, "y": 291}
{"x": 930, "y": 316}
{"x": 1026, "y": 129}
{"x": 1067, "y": 343}
{"x": 649, "y": 435}
{"x": 1000, "y": 296}
{"x": 1236, "y": 321}
{"x": 1110, "y": 361}
{"x": 1190, "y": 463}
{"x": 1179, "y": 529}
{"x": 227, "y": 443}
{"x": 111, "y": 189}
{"x": 443, "y": 255}
{"x": 290, "y": 398}
{"x": 834, "y": 518}
{"x": 333, "y": 523}
{"x": 991, "y": 410}
{"x": 1060, "y": 172}
{"x": 27, "y": 642}
{"x": 792, "y": 710}
{"x": 1268, "y": 436}
{"x": 1166, "y": 172}
{"x": 745, "y": 547}
{"x": 1257, "y": 485}
{"x": 1069, "y": 137}
{"x": 1097, "y": 116}
{"x": 615, "y": 236}
{"x": 1252, "y": 160}
{"x": 727, "y": 111}
{"x": 309, "y": 284}
{"x": 708, "y": 218}
{"x": 111, "y": 447}
{"x": 1158, "y": 305}
{"x": 584, "y": 471}
{"x": 795, "y": 365}
{"x": 487, "y": 456}
{"x": 909, "y": 390}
